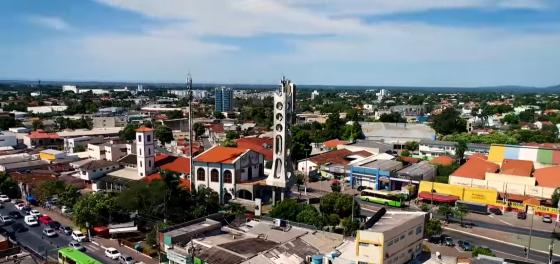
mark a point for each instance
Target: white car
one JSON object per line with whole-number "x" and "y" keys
{"x": 30, "y": 220}
{"x": 78, "y": 236}
{"x": 6, "y": 219}
{"x": 112, "y": 253}
{"x": 20, "y": 206}
{"x": 35, "y": 213}
{"x": 4, "y": 198}
{"x": 49, "y": 232}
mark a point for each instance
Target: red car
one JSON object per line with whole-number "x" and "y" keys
{"x": 45, "y": 219}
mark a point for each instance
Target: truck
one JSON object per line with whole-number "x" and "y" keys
{"x": 473, "y": 207}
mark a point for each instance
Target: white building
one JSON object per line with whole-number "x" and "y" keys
{"x": 314, "y": 94}
{"x": 70, "y": 144}
{"x": 145, "y": 151}
{"x": 70, "y": 88}
{"x": 95, "y": 169}
{"x": 7, "y": 140}
{"x": 46, "y": 109}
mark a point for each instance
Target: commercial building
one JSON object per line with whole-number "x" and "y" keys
{"x": 389, "y": 237}
{"x": 376, "y": 172}
{"x": 40, "y": 138}
{"x": 223, "y": 99}
{"x": 397, "y": 134}
{"x": 46, "y": 109}
{"x": 73, "y": 144}
{"x": 331, "y": 163}
{"x": 435, "y": 148}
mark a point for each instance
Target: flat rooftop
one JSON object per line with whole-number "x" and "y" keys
{"x": 126, "y": 173}
{"x": 417, "y": 169}
{"x": 393, "y": 219}
{"x": 384, "y": 165}
{"x": 91, "y": 132}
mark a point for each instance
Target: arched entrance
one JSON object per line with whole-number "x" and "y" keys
{"x": 227, "y": 197}
{"x": 244, "y": 194}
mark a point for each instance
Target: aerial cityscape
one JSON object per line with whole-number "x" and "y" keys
{"x": 279, "y": 132}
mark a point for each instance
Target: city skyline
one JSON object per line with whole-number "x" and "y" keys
{"x": 393, "y": 43}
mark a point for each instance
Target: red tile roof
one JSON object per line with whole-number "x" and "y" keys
{"x": 478, "y": 155}
{"x": 338, "y": 157}
{"x": 180, "y": 165}
{"x": 144, "y": 129}
{"x": 517, "y": 167}
{"x": 476, "y": 168}
{"x": 41, "y": 134}
{"x": 157, "y": 177}
{"x": 220, "y": 154}
{"x": 409, "y": 159}
{"x": 442, "y": 160}
{"x": 333, "y": 143}
{"x": 217, "y": 128}
{"x": 261, "y": 145}
{"x": 548, "y": 177}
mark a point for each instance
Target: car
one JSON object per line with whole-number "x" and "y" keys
{"x": 465, "y": 245}
{"x": 4, "y": 198}
{"x": 125, "y": 259}
{"x": 49, "y": 232}
{"x": 18, "y": 228}
{"x": 45, "y": 219}
{"x": 65, "y": 230}
{"x": 6, "y": 219}
{"x": 448, "y": 241}
{"x": 78, "y": 236}
{"x": 112, "y": 253}
{"x": 30, "y": 220}
{"x": 495, "y": 211}
{"x": 65, "y": 209}
{"x": 54, "y": 225}
{"x": 521, "y": 215}
{"x": 76, "y": 245}
{"x": 20, "y": 206}
{"x": 15, "y": 214}
{"x": 435, "y": 239}
{"x": 34, "y": 212}
{"x": 547, "y": 219}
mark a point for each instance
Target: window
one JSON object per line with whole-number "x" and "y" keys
{"x": 419, "y": 230}
{"x": 140, "y": 152}
{"x": 149, "y": 138}
{"x": 410, "y": 232}
{"x": 140, "y": 163}
{"x": 149, "y": 151}
{"x": 227, "y": 176}
{"x": 139, "y": 138}
{"x": 200, "y": 174}
{"x": 214, "y": 175}
{"x": 149, "y": 163}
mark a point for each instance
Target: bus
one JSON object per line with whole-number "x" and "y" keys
{"x": 70, "y": 255}
{"x": 388, "y": 198}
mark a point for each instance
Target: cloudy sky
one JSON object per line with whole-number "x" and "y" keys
{"x": 336, "y": 42}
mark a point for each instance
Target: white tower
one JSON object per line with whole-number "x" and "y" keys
{"x": 145, "y": 150}
{"x": 284, "y": 116}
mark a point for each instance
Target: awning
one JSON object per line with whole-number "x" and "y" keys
{"x": 437, "y": 197}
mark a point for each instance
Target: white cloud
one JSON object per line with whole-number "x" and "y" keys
{"x": 50, "y": 22}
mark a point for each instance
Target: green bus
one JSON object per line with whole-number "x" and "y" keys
{"x": 388, "y": 198}
{"x": 70, "y": 255}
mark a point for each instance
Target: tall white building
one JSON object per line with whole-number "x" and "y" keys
{"x": 314, "y": 94}
{"x": 284, "y": 115}
{"x": 145, "y": 150}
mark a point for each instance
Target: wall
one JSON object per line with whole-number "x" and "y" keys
{"x": 464, "y": 192}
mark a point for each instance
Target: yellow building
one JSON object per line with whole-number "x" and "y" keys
{"x": 51, "y": 154}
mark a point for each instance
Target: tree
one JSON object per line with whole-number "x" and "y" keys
{"x": 339, "y": 203}
{"x": 446, "y": 211}
{"x": 461, "y": 148}
{"x": 350, "y": 226}
{"x": 482, "y": 251}
{"x": 333, "y": 126}
{"x": 48, "y": 189}
{"x": 93, "y": 209}
{"x": 229, "y": 143}
{"x": 7, "y": 122}
{"x": 231, "y": 135}
{"x": 287, "y": 209}
{"x": 352, "y": 114}
{"x": 129, "y": 132}
{"x": 460, "y": 211}
{"x": 555, "y": 197}
{"x": 175, "y": 114}
{"x": 411, "y": 145}
{"x": 335, "y": 186}
{"x": 309, "y": 215}
{"x": 352, "y": 132}
{"x": 393, "y": 117}
{"x": 199, "y": 129}
{"x": 405, "y": 153}
{"x": 164, "y": 134}
{"x": 69, "y": 196}
{"x": 449, "y": 122}
{"x": 301, "y": 143}
{"x": 511, "y": 119}
{"x": 527, "y": 116}
{"x": 433, "y": 227}
{"x": 8, "y": 186}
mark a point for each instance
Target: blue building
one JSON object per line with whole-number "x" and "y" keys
{"x": 374, "y": 174}
{"x": 224, "y": 99}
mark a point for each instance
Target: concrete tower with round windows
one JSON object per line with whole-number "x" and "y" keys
{"x": 284, "y": 116}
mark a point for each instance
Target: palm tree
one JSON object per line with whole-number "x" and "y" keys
{"x": 460, "y": 211}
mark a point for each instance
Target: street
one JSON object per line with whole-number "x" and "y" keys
{"x": 34, "y": 240}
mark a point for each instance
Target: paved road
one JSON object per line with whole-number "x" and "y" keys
{"x": 502, "y": 248}
{"x": 34, "y": 240}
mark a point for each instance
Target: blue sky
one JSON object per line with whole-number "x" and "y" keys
{"x": 334, "y": 42}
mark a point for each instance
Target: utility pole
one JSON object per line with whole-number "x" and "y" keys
{"x": 530, "y": 235}
{"x": 190, "y": 99}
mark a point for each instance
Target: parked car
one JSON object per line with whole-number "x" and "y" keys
{"x": 112, "y": 253}
{"x": 34, "y": 212}
{"x": 4, "y": 198}
{"x": 30, "y": 220}
{"x": 15, "y": 214}
{"x": 26, "y": 210}
{"x": 435, "y": 239}
{"x": 495, "y": 211}
{"x": 49, "y": 232}
{"x": 20, "y": 206}
{"x": 65, "y": 230}
{"x": 547, "y": 219}
{"x": 78, "y": 236}
{"x": 77, "y": 245}
{"x": 448, "y": 241}
{"x": 521, "y": 215}
{"x": 45, "y": 219}
{"x": 54, "y": 225}
{"x": 465, "y": 245}
{"x": 65, "y": 209}
{"x": 124, "y": 259}
{"x": 18, "y": 228}
{"x": 6, "y": 219}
